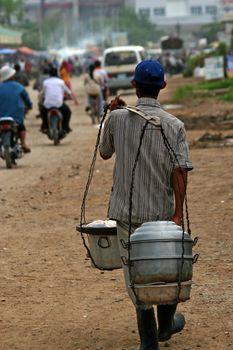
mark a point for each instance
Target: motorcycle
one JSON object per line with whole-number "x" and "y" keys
{"x": 55, "y": 130}
{"x": 10, "y": 149}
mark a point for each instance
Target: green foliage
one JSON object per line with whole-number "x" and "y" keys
{"x": 192, "y": 63}
{"x": 198, "y": 61}
{"x": 182, "y": 93}
{"x": 33, "y": 34}
{"x": 9, "y": 8}
{"x": 140, "y": 30}
{"x": 214, "y": 84}
{"x": 186, "y": 91}
{"x": 228, "y": 96}
{"x": 31, "y": 37}
{"x": 210, "y": 31}
{"x": 221, "y": 49}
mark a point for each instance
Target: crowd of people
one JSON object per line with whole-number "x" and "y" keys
{"x": 53, "y": 83}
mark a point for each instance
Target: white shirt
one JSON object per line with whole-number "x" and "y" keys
{"x": 54, "y": 89}
{"x": 101, "y": 76}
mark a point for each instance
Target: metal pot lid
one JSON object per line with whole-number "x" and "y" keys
{"x": 158, "y": 230}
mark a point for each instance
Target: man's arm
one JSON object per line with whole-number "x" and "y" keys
{"x": 70, "y": 93}
{"x": 106, "y": 147}
{"x": 66, "y": 89}
{"x": 26, "y": 99}
{"x": 179, "y": 183}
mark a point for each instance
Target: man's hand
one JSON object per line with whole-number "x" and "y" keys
{"x": 116, "y": 103}
{"x": 177, "y": 219}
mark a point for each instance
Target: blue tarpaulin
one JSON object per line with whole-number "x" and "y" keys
{"x": 6, "y": 51}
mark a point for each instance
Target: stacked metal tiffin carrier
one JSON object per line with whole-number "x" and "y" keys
{"x": 161, "y": 263}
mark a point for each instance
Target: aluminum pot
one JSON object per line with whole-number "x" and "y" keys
{"x": 166, "y": 293}
{"x": 159, "y": 254}
{"x": 105, "y": 251}
{"x": 103, "y": 246}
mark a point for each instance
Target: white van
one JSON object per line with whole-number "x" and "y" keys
{"x": 120, "y": 63}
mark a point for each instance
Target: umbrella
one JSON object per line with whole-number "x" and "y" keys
{"x": 26, "y": 50}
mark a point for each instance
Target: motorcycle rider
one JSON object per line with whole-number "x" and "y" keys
{"x": 92, "y": 88}
{"x": 13, "y": 100}
{"x": 53, "y": 91}
{"x": 103, "y": 77}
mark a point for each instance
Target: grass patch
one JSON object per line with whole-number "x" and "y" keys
{"x": 186, "y": 91}
{"x": 182, "y": 93}
{"x": 227, "y": 97}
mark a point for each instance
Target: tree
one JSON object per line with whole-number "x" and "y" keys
{"x": 140, "y": 30}
{"x": 8, "y": 8}
{"x": 30, "y": 35}
{"x": 210, "y": 31}
{"x": 50, "y": 31}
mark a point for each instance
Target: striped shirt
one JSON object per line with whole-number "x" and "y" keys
{"x": 152, "y": 191}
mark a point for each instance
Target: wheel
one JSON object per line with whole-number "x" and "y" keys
{"x": 7, "y": 156}
{"x": 56, "y": 138}
{"x": 92, "y": 115}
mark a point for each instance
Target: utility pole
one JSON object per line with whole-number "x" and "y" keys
{"x": 76, "y": 9}
{"x": 41, "y": 19}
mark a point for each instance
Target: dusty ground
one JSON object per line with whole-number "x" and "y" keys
{"x": 50, "y": 297}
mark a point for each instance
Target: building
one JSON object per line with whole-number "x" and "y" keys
{"x": 227, "y": 10}
{"x": 9, "y": 37}
{"x": 189, "y": 13}
{"x": 79, "y": 9}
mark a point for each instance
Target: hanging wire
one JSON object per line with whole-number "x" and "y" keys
{"x": 131, "y": 206}
{"x": 90, "y": 176}
{"x": 172, "y": 152}
{"x": 173, "y": 156}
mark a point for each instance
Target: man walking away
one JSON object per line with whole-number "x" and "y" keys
{"x": 159, "y": 182}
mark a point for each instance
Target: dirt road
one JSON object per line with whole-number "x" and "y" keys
{"x": 50, "y": 297}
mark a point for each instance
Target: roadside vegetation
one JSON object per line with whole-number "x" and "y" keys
{"x": 223, "y": 89}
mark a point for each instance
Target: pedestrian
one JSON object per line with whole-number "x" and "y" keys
{"x": 20, "y": 76}
{"x": 101, "y": 74}
{"x": 64, "y": 73}
{"x": 92, "y": 87}
{"x": 28, "y": 68}
{"x": 159, "y": 182}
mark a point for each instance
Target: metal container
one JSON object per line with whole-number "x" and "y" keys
{"x": 159, "y": 254}
{"x": 103, "y": 246}
{"x": 166, "y": 293}
{"x": 105, "y": 251}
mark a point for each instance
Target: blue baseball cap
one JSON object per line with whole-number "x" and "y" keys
{"x": 149, "y": 72}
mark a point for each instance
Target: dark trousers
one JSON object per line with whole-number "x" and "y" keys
{"x": 66, "y": 113}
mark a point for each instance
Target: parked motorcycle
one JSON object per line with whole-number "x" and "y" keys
{"x": 55, "y": 130}
{"x": 10, "y": 149}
